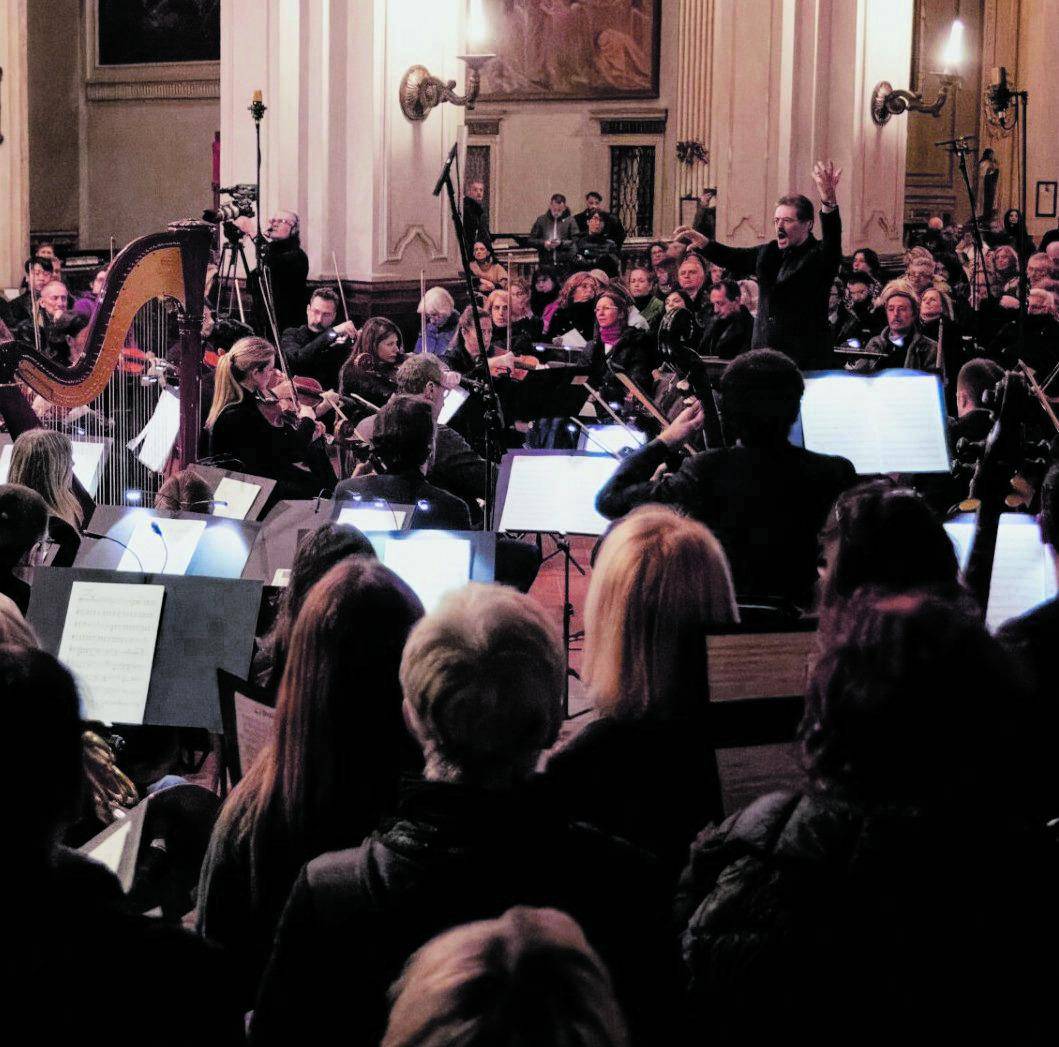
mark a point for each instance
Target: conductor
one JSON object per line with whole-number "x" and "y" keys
{"x": 794, "y": 271}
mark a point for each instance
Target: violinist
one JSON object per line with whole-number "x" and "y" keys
{"x": 371, "y": 368}
{"x": 267, "y": 436}
{"x": 56, "y": 325}
{"x": 319, "y": 347}
{"x": 618, "y": 347}
{"x": 464, "y": 355}
{"x": 518, "y": 340}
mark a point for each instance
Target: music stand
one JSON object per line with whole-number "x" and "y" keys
{"x": 548, "y": 392}
{"x": 213, "y": 475}
{"x": 570, "y": 480}
{"x": 221, "y": 551}
{"x": 277, "y": 540}
{"x": 206, "y": 624}
{"x": 90, "y": 459}
{"x": 371, "y": 514}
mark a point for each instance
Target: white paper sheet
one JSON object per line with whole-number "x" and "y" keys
{"x": 89, "y": 456}
{"x": 108, "y": 644}
{"x": 1023, "y": 574}
{"x": 454, "y": 400}
{"x": 253, "y": 728}
{"x": 372, "y": 518}
{"x": 117, "y": 845}
{"x": 573, "y": 339}
{"x": 882, "y": 424}
{"x": 155, "y": 441}
{"x": 611, "y": 439}
{"x": 281, "y": 577}
{"x": 556, "y": 493}
{"x": 431, "y": 564}
{"x": 239, "y": 495}
{"x": 168, "y": 553}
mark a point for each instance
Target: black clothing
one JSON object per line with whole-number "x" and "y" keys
{"x": 444, "y": 512}
{"x": 453, "y": 854}
{"x": 241, "y": 433}
{"x": 15, "y": 590}
{"x": 316, "y": 354}
{"x": 794, "y": 285}
{"x": 376, "y": 382}
{"x": 577, "y": 316}
{"x": 456, "y": 467}
{"x": 652, "y": 781}
{"x": 612, "y": 227}
{"x": 67, "y": 538}
{"x": 77, "y": 946}
{"x": 765, "y": 504}
{"x": 728, "y": 336}
{"x": 1041, "y": 348}
{"x": 633, "y": 354}
{"x": 5, "y": 312}
{"x": 475, "y": 225}
{"x": 547, "y": 227}
{"x": 53, "y": 334}
{"x": 288, "y": 269}
{"x": 917, "y": 927}
{"x": 859, "y": 321}
{"x": 20, "y": 309}
{"x": 597, "y": 252}
{"x": 530, "y": 328}
{"x": 915, "y": 351}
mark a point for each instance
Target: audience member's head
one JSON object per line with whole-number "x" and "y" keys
{"x": 546, "y": 286}
{"x": 318, "y": 551}
{"x": 41, "y": 703}
{"x": 476, "y": 190}
{"x": 529, "y": 977}
{"x": 660, "y": 580}
{"x": 594, "y": 225}
{"x": 579, "y": 287}
{"x": 518, "y": 291}
{"x": 920, "y": 274}
{"x": 859, "y": 287}
{"x": 557, "y": 205}
{"x": 749, "y": 295}
{"x": 54, "y": 298}
{"x": 887, "y": 537}
{"x": 404, "y": 434}
{"x": 693, "y": 273}
{"x": 482, "y": 253}
{"x": 914, "y": 704}
{"x": 438, "y": 304}
{"x": 1040, "y": 302}
{"x": 761, "y": 393}
{"x": 1038, "y": 268}
{"x": 935, "y": 304}
{"x": 498, "y": 306}
{"x": 1052, "y": 251}
{"x": 339, "y": 741}
{"x": 23, "y": 523}
{"x": 976, "y": 378}
{"x": 640, "y": 282}
{"x": 43, "y": 460}
{"x": 613, "y": 306}
{"x": 901, "y": 305}
{"x": 38, "y": 272}
{"x": 467, "y": 336}
{"x": 726, "y": 298}
{"x": 483, "y": 682}
{"x": 658, "y": 253}
{"x": 1006, "y": 262}
{"x": 865, "y": 260}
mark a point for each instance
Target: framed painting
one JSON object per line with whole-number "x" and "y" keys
{"x": 169, "y": 43}
{"x": 567, "y": 50}
{"x": 1046, "y": 193}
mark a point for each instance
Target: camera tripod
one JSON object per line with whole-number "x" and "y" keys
{"x": 228, "y": 293}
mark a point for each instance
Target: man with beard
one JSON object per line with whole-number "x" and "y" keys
{"x": 794, "y": 271}
{"x": 318, "y": 348}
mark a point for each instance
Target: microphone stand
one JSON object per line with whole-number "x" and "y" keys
{"x": 493, "y": 416}
{"x": 959, "y": 147}
{"x": 257, "y": 110}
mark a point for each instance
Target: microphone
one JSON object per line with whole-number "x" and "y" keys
{"x": 110, "y": 538}
{"x": 998, "y": 94}
{"x": 445, "y": 170}
{"x": 156, "y": 527}
{"x": 957, "y": 140}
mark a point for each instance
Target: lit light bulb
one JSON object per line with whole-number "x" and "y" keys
{"x": 952, "y": 56}
{"x": 477, "y": 27}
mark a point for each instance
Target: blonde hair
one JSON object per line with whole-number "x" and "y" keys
{"x": 43, "y": 460}
{"x": 660, "y": 580}
{"x": 247, "y": 355}
{"x": 14, "y": 629}
{"x": 483, "y": 678}
{"x": 528, "y": 977}
{"x": 436, "y": 300}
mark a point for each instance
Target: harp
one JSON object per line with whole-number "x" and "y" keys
{"x": 136, "y": 308}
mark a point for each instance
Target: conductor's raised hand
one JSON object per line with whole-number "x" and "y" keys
{"x": 826, "y": 177}
{"x": 684, "y": 234}
{"x": 686, "y": 423}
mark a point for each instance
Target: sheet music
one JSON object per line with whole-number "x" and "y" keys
{"x": 556, "y": 493}
{"x": 573, "y": 339}
{"x": 882, "y": 424}
{"x": 454, "y": 400}
{"x": 253, "y": 728}
{"x": 155, "y": 441}
{"x": 372, "y": 518}
{"x": 117, "y": 845}
{"x": 149, "y": 553}
{"x": 431, "y": 564}
{"x": 88, "y": 462}
{"x": 108, "y": 643}
{"x": 239, "y": 495}
{"x": 1023, "y": 571}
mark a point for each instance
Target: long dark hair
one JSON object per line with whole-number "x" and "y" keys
{"x": 365, "y": 352}
{"x": 340, "y": 742}
{"x": 539, "y": 300}
{"x": 317, "y": 553}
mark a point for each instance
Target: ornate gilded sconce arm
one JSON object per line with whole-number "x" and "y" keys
{"x": 886, "y": 101}
{"x": 420, "y": 91}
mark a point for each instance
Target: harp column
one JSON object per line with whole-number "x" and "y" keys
{"x": 14, "y": 150}
{"x": 336, "y": 147}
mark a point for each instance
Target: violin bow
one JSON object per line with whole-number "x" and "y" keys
{"x": 270, "y": 314}
{"x": 1038, "y": 390}
{"x": 341, "y": 289}
{"x": 423, "y": 309}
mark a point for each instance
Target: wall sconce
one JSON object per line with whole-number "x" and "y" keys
{"x": 887, "y": 102}
{"x": 420, "y": 92}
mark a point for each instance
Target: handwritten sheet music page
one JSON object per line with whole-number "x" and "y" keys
{"x": 239, "y": 495}
{"x": 108, "y": 643}
{"x": 253, "y": 728}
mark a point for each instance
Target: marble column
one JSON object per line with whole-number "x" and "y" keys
{"x": 14, "y": 150}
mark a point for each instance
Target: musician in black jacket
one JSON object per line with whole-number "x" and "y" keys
{"x": 765, "y": 499}
{"x": 794, "y": 272}
{"x": 319, "y": 347}
{"x": 732, "y": 327}
{"x": 287, "y": 266}
{"x": 618, "y": 348}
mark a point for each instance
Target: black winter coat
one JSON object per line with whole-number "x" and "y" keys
{"x": 633, "y": 354}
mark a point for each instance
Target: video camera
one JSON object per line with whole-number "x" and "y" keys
{"x": 244, "y": 196}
